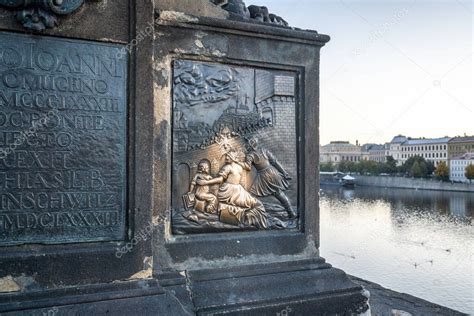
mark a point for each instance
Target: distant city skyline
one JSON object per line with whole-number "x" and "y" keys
{"x": 357, "y": 142}
{"x": 391, "y": 67}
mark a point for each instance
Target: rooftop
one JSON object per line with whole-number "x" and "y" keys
{"x": 340, "y": 146}
{"x": 426, "y": 141}
{"x": 377, "y": 147}
{"x": 398, "y": 139}
{"x": 367, "y": 147}
{"x": 372, "y": 147}
{"x": 462, "y": 139}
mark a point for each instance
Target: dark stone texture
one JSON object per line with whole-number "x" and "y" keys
{"x": 143, "y": 297}
{"x": 302, "y": 286}
{"x": 102, "y": 24}
{"x": 39, "y": 15}
{"x": 253, "y": 13}
{"x": 63, "y": 119}
{"x": 95, "y": 20}
{"x": 194, "y": 7}
{"x": 384, "y": 301}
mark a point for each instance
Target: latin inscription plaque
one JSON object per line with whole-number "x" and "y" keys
{"x": 62, "y": 140}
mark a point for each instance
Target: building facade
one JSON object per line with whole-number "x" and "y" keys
{"x": 432, "y": 149}
{"x": 395, "y": 148}
{"x": 458, "y": 146}
{"x": 458, "y": 165}
{"x": 374, "y": 152}
{"x": 387, "y": 149}
{"x": 377, "y": 153}
{"x": 338, "y": 151}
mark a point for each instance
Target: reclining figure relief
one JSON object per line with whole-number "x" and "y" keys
{"x": 234, "y": 204}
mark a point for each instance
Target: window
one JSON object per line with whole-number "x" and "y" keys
{"x": 267, "y": 114}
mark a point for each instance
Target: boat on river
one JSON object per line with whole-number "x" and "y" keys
{"x": 336, "y": 178}
{"x": 348, "y": 181}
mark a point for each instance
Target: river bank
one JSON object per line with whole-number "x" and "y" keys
{"x": 411, "y": 183}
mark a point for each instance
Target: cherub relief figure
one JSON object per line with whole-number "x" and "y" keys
{"x": 232, "y": 196}
{"x": 272, "y": 179}
{"x": 202, "y": 191}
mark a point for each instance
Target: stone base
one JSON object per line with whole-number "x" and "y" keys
{"x": 144, "y": 297}
{"x": 304, "y": 287}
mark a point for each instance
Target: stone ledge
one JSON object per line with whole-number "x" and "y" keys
{"x": 387, "y": 302}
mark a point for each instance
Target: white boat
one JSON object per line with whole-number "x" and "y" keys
{"x": 336, "y": 178}
{"x": 348, "y": 181}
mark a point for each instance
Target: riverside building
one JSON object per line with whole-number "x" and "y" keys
{"x": 338, "y": 151}
{"x": 377, "y": 153}
{"x": 432, "y": 149}
{"x": 395, "y": 148}
{"x": 458, "y": 146}
{"x": 457, "y": 167}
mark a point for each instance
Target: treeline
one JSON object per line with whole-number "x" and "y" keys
{"x": 416, "y": 167}
{"x": 363, "y": 167}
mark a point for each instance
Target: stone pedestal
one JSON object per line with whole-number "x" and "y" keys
{"x": 180, "y": 170}
{"x": 243, "y": 271}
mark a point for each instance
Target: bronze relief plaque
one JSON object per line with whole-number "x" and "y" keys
{"x": 62, "y": 140}
{"x": 234, "y": 148}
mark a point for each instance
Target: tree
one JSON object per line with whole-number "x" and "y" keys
{"x": 423, "y": 169}
{"x": 416, "y": 170}
{"x": 391, "y": 165}
{"x": 328, "y": 166}
{"x": 346, "y": 166}
{"x": 369, "y": 166}
{"x": 430, "y": 168}
{"x": 408, "y": 164}
{"x": 442, "y": 171}
{"x": 470, "y": 172}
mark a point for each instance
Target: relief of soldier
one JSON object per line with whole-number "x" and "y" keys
{"x": 272, "y": 179}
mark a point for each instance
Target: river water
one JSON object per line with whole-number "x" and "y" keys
{"x": 416, "y": 242}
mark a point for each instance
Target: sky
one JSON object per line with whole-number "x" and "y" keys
{"x": 391, "y": 67}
